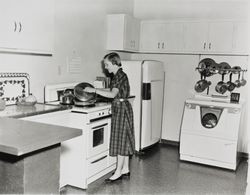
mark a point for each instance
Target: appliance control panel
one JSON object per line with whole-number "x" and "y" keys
{"x": 99, "y": 114}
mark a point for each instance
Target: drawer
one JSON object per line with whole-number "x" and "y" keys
{"x": 208, "y": 148}
{"x": 97, "y": 163}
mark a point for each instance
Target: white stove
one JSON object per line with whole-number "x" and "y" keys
{"x": 86, "y": 158}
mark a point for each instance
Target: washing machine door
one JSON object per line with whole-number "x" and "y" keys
{"x": 210, "y": 116}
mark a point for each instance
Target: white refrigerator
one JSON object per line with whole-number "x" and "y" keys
{"x": 146, "y": 79}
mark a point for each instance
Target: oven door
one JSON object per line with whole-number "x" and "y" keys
{"x": 98, "y": 137}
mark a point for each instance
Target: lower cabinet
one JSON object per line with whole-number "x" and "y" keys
{"x": 77, "y": 168}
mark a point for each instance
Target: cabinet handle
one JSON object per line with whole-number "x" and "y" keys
{"x": 162, "y": 45}
{"x": 158, "y": 45}
{"x": 209, "y": 46}
{"x": 20, "y": 27}
{"x": 204, "y": 45}
{"x": 95, "y": 161}
{"x": 15, "y": 26}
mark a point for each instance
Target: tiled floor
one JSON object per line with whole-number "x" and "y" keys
{"x": 159, "y": 171}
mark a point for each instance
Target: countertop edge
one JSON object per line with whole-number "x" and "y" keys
{"x": 47, "y": 143}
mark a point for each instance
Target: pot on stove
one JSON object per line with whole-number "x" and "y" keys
{"x": 67, "y": 98}
{"x": 84, "y": 98}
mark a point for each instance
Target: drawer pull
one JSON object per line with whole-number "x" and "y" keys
{"x": 99, "y": 126}
{"x": 97, "y": 160}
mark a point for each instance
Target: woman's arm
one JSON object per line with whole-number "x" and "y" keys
{"x": 103, "y": 92}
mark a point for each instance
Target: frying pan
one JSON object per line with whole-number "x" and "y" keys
{"x": 82, "y": 95}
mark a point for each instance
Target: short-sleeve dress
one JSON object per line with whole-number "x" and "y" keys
{"x": 122, "y": 140}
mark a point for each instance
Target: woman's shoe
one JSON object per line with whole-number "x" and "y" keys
{"x": 112, "y": 180}
{"x": 126, "y": 174}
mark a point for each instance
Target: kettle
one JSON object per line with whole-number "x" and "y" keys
{"x": 67, "y": 97}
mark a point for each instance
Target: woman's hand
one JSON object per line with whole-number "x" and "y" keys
{"x": 89, "y": 90}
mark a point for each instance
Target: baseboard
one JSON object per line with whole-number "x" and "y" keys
{"x": 169, "y": 142}
{"x": 175, "y": 143}
{"x": 243, "y": 155}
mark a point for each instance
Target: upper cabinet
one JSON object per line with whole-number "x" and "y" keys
{"x": 240, "y": 38}
{"x": 208, "y": 37}
{"x": 217, "y": 37}
{"x": 161, "y": 37}
{"x": 27, "y": 26}
{"x": 188, "y": 37}
{"x": 122, "y": 32}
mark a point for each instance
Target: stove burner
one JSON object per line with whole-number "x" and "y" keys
{"x": 85, "y": 106}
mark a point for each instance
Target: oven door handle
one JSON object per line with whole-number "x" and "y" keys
{"x": 97, "y": 160}
{"x": 99, "y": 126}
{"x": 100, "y": 118}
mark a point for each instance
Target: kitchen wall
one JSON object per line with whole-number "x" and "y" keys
{"x": 80, "y": 33}
{"x": 180, "y": 74}
{"x": 191, "y": 9}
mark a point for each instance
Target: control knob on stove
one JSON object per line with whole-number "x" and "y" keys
{"x": 109, "y": 111}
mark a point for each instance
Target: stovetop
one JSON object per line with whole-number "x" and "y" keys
{"x": 88, "y": 109}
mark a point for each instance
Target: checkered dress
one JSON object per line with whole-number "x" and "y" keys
{"x": 122, "y": 141}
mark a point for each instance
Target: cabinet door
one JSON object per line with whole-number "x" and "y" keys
{"x": 131, "y": 36}
{"x": 9, "y": 24}
{"x": 28, "y": 25}
{"x": 240, "y": 38}
{"x": 152, "y": 36}
{"x": 115, "y": 32}
{"x": 173, "y": 37}
{"x": 122, "y": 32}
{"x": 135, "y": 33}
{"x": 195, "y": 36}
{"x": 36, "y": 25}
{"x": 220, "y": 37}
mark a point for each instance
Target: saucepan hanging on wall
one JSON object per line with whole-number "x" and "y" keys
{"x": 202, "y": 84}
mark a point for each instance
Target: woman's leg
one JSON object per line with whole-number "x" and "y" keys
{"x": 120, "y": 163}
{"x": 125, "y": 168}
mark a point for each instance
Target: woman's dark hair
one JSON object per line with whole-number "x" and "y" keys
{"x": 114, "y": 58}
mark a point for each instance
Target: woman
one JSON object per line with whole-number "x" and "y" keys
{"x": 122, "y": 141}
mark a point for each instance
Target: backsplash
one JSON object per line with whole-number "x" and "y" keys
{"x": 14, "y": 86}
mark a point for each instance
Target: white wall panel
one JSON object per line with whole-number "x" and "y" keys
{"x": 80, "y": 27}
{"x": 190, "y": 9}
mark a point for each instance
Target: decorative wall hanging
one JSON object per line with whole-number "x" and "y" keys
{"x": 14, "y": 86}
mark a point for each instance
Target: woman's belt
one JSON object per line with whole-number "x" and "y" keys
{"x": 120, "y": 100}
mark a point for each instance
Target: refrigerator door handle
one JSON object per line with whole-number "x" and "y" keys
{"x": 146, "y": 91}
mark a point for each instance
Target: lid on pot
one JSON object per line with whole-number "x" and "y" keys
{"x": 206, "y": 67}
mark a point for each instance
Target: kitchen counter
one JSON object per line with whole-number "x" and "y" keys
{"x": 18, "y": 137}
{"x": 30, "y": 151}
{"x": 15, "y": 111}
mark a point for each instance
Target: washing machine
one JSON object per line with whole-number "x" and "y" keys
{"x": 209, "y": 132}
